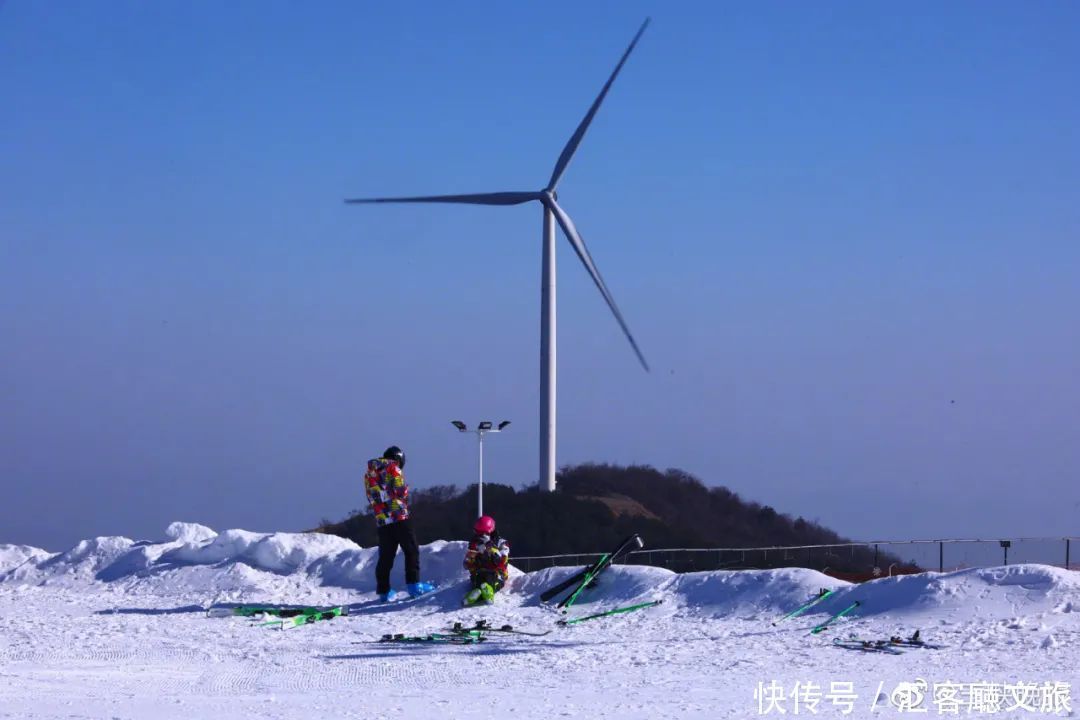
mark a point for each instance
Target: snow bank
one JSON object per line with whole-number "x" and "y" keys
{"x": 196, "y": 561}
{"x": 197, "y": 558}
{"x": 998, "y": 592}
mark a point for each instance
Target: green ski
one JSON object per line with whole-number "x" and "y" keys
{"x": 616, "y": 611}
{"x": 805, "y": 606}
{"x": 286, "y": 622}
{"x": 825, "y": 625}
{"x": 268, "y": 610}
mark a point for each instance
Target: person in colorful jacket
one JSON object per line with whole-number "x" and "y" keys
{"x": 388, "y": 495}
{"x": 488, "y": 562}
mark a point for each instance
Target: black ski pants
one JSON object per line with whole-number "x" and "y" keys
{"x": 391, "y": 537}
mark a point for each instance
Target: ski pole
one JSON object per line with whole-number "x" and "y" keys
{"x": 616, "y": 611}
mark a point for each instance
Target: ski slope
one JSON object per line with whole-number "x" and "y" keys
{"x": 114, "y": 628}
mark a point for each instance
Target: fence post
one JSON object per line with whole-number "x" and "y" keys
{"x": 941, "y": 556}
{"x": 1066, "y": 553}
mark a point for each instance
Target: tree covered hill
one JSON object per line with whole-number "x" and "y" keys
{"x": 596, "y": 506}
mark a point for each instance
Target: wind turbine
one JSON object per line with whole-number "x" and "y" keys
{"x": 553, "y": 213}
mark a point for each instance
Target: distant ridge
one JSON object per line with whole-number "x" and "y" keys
{"x": 597, "y": 505}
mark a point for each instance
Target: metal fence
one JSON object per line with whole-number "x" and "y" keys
{"x": 851, "y": 561}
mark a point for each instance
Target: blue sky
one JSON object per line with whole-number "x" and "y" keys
{"x": 844, "y": 235}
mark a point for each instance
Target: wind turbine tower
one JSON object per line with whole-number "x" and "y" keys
{"x": 553, "y": 213}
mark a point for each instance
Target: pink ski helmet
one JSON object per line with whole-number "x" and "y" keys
{"x": 484, "y": 525}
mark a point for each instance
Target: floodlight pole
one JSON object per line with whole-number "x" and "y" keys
{"x": 480, "y": 431}
{"x": 480, "y": 485}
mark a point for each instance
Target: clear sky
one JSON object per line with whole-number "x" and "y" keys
{"x": 844, "y": 234}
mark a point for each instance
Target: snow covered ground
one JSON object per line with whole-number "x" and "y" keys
{"x": 114, "y": 628}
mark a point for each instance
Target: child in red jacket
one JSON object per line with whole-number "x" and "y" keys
{"x": 488, "y": 562}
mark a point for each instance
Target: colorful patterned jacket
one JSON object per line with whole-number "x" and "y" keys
{"x": 387, "y": 492}
{"x": 490, "y": 553}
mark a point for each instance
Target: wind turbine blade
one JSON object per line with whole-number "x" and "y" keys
{"x": 499, "y": 198}
{"x": 583, "y": 253}
{"x": 575, "y": 139}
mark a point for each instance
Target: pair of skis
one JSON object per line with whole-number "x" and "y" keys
{"x": 483, "y": 626}
{"x": 458, "y": 635}
{"x": 892, "y": 646}
{"x": 883, "y": 647}
{"x": 478, "y": 632}
{"x": 914, "y": 641}
{"x": 581, "y": 580}
{"x": 434, "y": 639}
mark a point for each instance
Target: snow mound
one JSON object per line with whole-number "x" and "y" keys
{"x": 992, "y": 593}
{"x": 730, "y": 592}
{"x": 998, "y": 592}
{"x": 78, "y": 565}
{"x": 282, "y": 553}
{"x": 1040, "y": 578}
{"x": 620, "y": 584}
{"x": 189, "y": 532}
{"x": 718, "y": 593}
{"x": 198, "y": 560}
{"x": 14, "y": 556}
